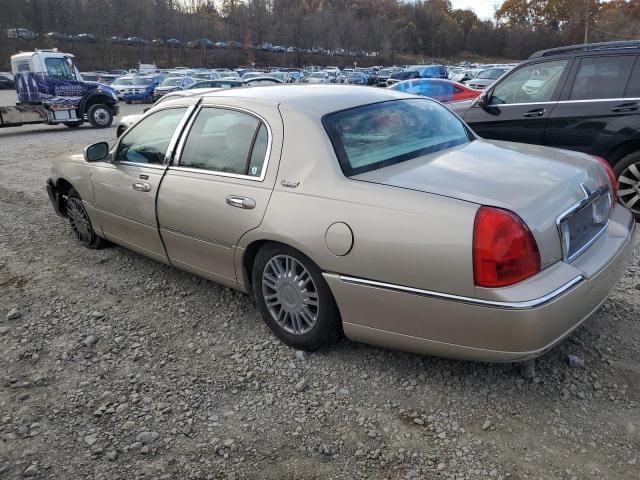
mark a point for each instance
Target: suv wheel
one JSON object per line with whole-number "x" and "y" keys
{"x": 628, "y": 172}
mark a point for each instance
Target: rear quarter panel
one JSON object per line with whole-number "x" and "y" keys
{"x": 400, "y": 236}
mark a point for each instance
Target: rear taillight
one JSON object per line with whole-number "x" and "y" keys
{"x": 504, "y": 250}
{"x": 611, "y": 175}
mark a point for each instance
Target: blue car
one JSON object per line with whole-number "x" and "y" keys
{"x": 141, "y": 88}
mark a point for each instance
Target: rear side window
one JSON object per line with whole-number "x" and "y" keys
{"x": 374, "y": 136}
{"x": 226, "y": 141}
{"x": 602, "y": 77}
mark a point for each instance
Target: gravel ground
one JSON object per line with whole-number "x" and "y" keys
{"x": 117, "y": 367}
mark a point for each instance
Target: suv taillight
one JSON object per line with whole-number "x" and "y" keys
{"x": 611, "y": 175}
{"x": 504, "y": 250}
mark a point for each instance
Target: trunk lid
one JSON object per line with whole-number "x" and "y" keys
{"x": 537, "y": 183}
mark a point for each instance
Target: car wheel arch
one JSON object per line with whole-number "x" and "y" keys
{"x": 251, "y": 252}
{"x": 622, "y": 150}
{"x": 63, "y": 187}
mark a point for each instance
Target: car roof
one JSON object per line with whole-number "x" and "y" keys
{"x": 589, "y": 48}
{"x": 316, "y": 100}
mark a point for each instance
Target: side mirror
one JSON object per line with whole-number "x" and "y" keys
{"x": 96, "y": 152}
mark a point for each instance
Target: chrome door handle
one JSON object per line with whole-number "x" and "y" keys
{"x": 626, "y": 107}
{"x": 241, "y": 202}
{"x": 142, "y": 186}
{"x": 535, "y": 113}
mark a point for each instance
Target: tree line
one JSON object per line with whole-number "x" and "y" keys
{"x": 427, "y": 28}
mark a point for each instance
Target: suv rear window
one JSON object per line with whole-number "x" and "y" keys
{"x": 602, "y": 77}
{"x": 374, "y": 136}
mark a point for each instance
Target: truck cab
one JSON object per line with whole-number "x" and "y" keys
{"x": 51, "y": 90}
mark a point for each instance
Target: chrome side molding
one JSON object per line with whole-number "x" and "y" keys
{"x": 522, "y": 305}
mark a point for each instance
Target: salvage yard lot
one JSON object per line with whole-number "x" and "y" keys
{"x": 119, "y": 367}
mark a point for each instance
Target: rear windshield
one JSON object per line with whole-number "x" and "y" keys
{"x": 374, "y": 136}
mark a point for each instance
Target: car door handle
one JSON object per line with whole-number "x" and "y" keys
{"x": 241, "y": 202}
{"x": 535, "y": 113}
{"x": 142, "y": 186}
{"x": 626, "y": 107}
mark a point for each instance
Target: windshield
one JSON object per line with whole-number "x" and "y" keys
{"x": 374, "y": 136}
{"x": 317, "y": 75}
{"x": 123, "y": 81}
{"x": 491, "y": 74}
{"x": 251, "y": 75}
{"x": 172, "y": 82}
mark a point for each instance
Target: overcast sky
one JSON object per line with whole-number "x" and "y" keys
{"x": 483, "y": 8}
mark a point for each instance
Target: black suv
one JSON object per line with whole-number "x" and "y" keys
{"x": 582, "y": 97}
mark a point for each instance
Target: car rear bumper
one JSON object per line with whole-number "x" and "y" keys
{"x": 505, "y": 328}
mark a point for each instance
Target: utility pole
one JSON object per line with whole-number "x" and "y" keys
{"x": 586, "y": 21}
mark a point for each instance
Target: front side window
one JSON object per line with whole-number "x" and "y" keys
{"x": 374, "y": 136}
{"x": 602, "y": 77}
{"x": 532, "y": 83}
{"x": 148, "y": 141}
{"x": 226, "y": 141}
{"x": 59, "y": 69}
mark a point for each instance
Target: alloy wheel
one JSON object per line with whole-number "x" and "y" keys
{"x": 629, "y": 187}
{"x": 79, "y": 220}
{"x": 290, "y": 294}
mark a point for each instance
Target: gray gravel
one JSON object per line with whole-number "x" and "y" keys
{"x": 118, "y": 367}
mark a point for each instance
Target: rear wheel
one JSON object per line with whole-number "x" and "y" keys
{"x": 628, "y": 173}
{"x": 293, "y": 298}
{"x": 81, "y": 223}
{"x": 100, "y": 116}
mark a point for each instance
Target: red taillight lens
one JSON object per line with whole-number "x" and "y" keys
{"x": 504, "y": 250}
{"x": 611, "y": 175}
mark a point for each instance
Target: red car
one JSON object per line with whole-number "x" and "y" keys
{"x": 444, "y": 91}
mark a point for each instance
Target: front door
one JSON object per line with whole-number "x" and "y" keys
{"x": 124, "y": 189}
{"x": 219, "y": 188}
{"x": 518, "y": 107}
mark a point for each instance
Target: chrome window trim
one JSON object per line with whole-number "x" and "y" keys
{"x": 175, "y": 165}
{"x": 589, "y": 100}
{"x": 520, "y": 305}
{"x": 630, "y": 99}
{"x": 499, "y": 105}
{"x": 588, "y": 197}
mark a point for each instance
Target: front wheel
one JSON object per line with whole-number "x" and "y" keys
{"x": 81, "y": 223}
{"x": 293, "y": 298}
{"x": 100, "y": 116}
{"x": 628, "y": 173}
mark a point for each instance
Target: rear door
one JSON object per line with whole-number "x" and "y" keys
{"x": 519, "y": 105}
{"x": 219, "y": 186}
{"x": 600, "y": 102}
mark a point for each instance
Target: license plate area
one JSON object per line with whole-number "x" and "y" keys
{"x": 584, "y": 223}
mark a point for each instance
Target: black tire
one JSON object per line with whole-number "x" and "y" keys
{"x": 72, "y": 124}
{"x": 148, "y": 99}
{"x": 100, "y": 116}
{"x": 128, "y": 102}
{"x": 624, "y": 169}
{"x": 327, "y": 326}
{"x": 81, "y": 223}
